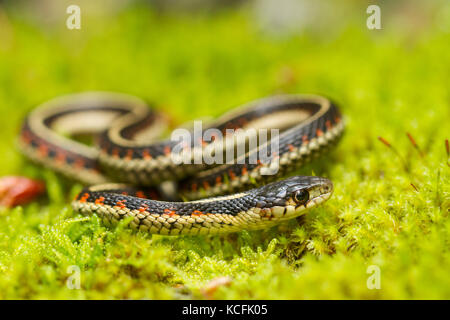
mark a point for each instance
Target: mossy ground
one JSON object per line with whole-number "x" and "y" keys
{"x": 389, "y": 210}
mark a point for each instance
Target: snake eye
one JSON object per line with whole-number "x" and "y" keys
{"x": 301, "y": 196}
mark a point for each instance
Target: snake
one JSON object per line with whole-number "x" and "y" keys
{"x": 133, "y": 168}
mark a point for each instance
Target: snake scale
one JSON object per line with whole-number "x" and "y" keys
{"x": 126, "y": 171}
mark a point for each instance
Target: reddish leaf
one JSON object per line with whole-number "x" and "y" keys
{"x": 15, "y": 190}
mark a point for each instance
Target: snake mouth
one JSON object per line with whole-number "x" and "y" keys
{"x": 314, "y": 202}
{"x": 300, "y": 194}
{"x": 294, "y": 210}
{"x": 318, "y": 200}
{"x": 318, "y": 194}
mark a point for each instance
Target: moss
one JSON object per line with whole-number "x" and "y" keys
{"x": 390, "y": 207}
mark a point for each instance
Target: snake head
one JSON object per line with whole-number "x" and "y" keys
{"x": 287, "y": 199}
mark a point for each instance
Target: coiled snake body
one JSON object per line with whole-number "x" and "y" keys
{"x": 130, "y": 160}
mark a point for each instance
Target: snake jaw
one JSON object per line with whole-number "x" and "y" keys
{"x": 280, "y": 201}
{"x": 318, "y": 200}
{"x": 318, "y": 194}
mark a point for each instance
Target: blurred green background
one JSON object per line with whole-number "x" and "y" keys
{"x": 199, "y": 58}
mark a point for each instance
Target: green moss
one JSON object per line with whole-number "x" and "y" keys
{"x": 386, "y": 84}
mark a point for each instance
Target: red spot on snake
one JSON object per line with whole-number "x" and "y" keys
{"x": 194, "y": 187}
{"x": 166, "y": 150}
{"x": 79, "y": 163}
{"x": 43, "y": 150}
{"x": 218, "y": 180}
{"x": 319, "y": 132}
{"x": 243, "y": 122}
{"x": 84, "y": 197}
{"x": 26, "y": 137}
{"x": 328, "y": 124}
{"x": 290, "y": 147}
{"x": 170, "y": 212}
{"x": 124, "y": 193}
{"x": 121, "y": 204}
{"x": 260, "y": 164}
{"x": 143, "y": 208}
{"x": 146, "y": 154}
{"x": 197, "y": 213}
{"x": 60, "y": 157}
{"x": 337, "y": 119}
{"x": 129, "y": 155}
{"x": 206, "y": 185}
{"x": 305, "y": 139}
{"x": 115, "y": 153}
{"x": 244, "y": 171}
{"x": 100, "y": 201}
{"x": 231, "y": 174}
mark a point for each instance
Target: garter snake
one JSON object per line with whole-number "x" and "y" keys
{"x": 129, "y": 159}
